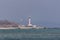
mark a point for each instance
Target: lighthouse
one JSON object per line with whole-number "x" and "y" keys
{"x": 29, "y": 22}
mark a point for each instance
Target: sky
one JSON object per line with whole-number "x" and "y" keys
{"x": 42, "y": 12}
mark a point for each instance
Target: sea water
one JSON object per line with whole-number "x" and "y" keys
{"x": 30, "y": 34}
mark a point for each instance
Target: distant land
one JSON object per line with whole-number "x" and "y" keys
{"x": 6, "y": 23}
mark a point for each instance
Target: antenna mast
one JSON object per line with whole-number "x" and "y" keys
{"x": 29, "y": 21}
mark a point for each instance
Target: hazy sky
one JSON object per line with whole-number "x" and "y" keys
{"x": 43, "y": 12}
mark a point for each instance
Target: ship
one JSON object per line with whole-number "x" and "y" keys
{"x": 30, "y": 25}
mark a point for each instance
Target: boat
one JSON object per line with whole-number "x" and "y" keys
{"x": 30, "y": 26}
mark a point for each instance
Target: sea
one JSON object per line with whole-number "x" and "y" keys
{"x": 30, "y": 34}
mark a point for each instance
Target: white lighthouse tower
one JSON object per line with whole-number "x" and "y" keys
{"x": 29, "y": 21}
